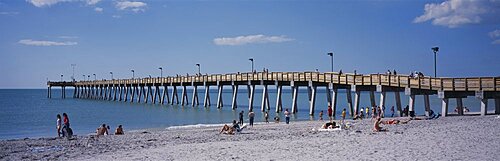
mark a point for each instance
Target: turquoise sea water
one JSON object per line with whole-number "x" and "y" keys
{"x": 29, "y": 113}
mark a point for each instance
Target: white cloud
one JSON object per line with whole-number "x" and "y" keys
{"x": 494, "y": 34}
{"x": 135, "y": 6}
{"x": 242, "y": 40}
{"x": 9, "y": 13}
{"x": 116, "y": 16}
{"x": 454, "y": 13}
{"x": 98, "y": 9}
{"x": 48, "y": 3}
{"x": 45, "y": 43}
{"x": 496, "y": 42}
{"x": 67, "y": 37}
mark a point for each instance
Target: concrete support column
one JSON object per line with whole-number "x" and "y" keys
{"x": 328, "y": 96}
{"x": 382, "y": 99}
{"x": 279, "y": 103}
{"x": 460, "y": 106}
{"x": 121, "y": 92}
{"x": 49, "y": 92}
{"x": 132, "y": 94}
{"x": 265, "y": 99}
{"x": 184, "y": 100}
{"x": 126, "y": 93}
{"x": 114, "y": 91}
{"x": 148, "y": 92}
{"x": 219, "y": 97}
{"x": 372, "y": 99}
{"x": 349, "y": 102}
{"x": 165, "y": 96}
{"x": 357, "y": 96}
{"x": 334, "y": 101}
{"x": 250, "y": 99}
{"x": 175, "y": 96}
{"x": 411, "y": 103}
{"x": 235, "y": 95}
{"x": 312, "y": 100}
{"x": 497, "y": 106}
{"x": 157, "y": 93}
{"x": 195, "y": 101}
{"x": 427, "y": 105}
{"x": 295, "y": 90}
{"x": 206, "y": 101}
{"x": 398, "y": 103}
{"x": 141, "y": 92}
{"x": 74, "y": 92}
{"x": 484, "y": 106}
{"x": 444, "y": 107}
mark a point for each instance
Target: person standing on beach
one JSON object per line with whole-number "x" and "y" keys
{"x": 330, "y": 113}
{"x": 367, "y": 110}
{"x": 321, "y": 115}
{"x": 266, "y": 117}
{"x": 251, "y": 116}
{"x": 58, "y": 125}
{"x": 287, "y": 116}
{"x": 241, "y": 117}
{"x": 343, "y": 114}
{"x": 66, "y": 120}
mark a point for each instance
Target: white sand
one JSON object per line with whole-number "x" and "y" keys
{"x": 451, "y": 138}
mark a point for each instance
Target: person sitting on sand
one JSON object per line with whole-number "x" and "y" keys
{"x": 227, "y": 130}
{"x": 394, "y": 122}
{"x": 236, "y": 126}
{"x": 102, "y": 130}
{"x": 119, "y": 130}
{"x": 376, "y": 125}
{"x": 276, "y": 119}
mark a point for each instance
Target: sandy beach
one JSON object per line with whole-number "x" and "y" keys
{"x": 450, "y": 138}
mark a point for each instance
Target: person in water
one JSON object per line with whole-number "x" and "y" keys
{"x": 59, "y": 125}
{"x": 119, "y": 130}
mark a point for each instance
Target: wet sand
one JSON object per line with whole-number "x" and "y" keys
{"x": 450, "y": 138}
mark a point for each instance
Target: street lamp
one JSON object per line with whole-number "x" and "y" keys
{"x": 150, "y": 77}
{"x": 251, "y": 59}
{"x": 111, "y": 75}
{"x": 435, "y": 50}
{"x": 73, "y": 76}
{"x": 331, "y": 55}
{"x": 133, "y": 73}
{"x": 61, "y": 77}
{"x": 161, "y": 71}
{"x": 88, "y": 77}
{"x": 95, "y": 77}
{"x": 198, "y": 65}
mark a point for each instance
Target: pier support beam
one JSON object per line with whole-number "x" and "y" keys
{"x": 184, "y": 100}
{"x": 165, "y": 95}
{"x": 219, "y": 96}
{"x": 175, "y": 96}
{"x": 234, "y": 104}
{"x": 295, "y": 90}
{"x": 265, "y": 99}
{"x": 397, "y": 97}
{"x": 460, "y": 106}
{"x": 195, "y": 101}
{"x": 157, "y": 93}
{"x": 328, "y": 95}
{"x": 49, "y": 92}
{"x": 334, "y": 99}
{"x": 411, "y": 104}
{"x": 250, "y": 98}
{"x": 484, "y": 106}
{"x": 349, "y": 102}
{"x": 206, "y": 101}
{"x": 146, "y": 95}
{"x": 114, "y": 91}
{"x": 372, "y": 99}
{"x": 497, "y": 106}
{"x": 444, "y": 107}
{"x": 312, "y": 100}
{"x": 141, "y": 92}
{"x": 382, "y": 99}
{"x": 427, "y": 105}
{"x": 357, "y": 95}
{"x": 279, "y": 103}
{"x": 126, "y": 93}
{"x": 132, "y": 94}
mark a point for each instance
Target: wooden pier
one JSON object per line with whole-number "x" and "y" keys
{"x": 156, "y": 90}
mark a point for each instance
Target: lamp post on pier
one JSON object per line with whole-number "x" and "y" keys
{"x": 251, "y": 59}
{"x": 73, "y": 76}
{"x": 61, "y": 77}
{"x": 95, "y": 76}
{"x": 161, "y": 71}
{"x": 133, "y": 73}
{"x": 111, "y": 75}
{"x": 199, "y": 72}
{"x": 435, "y": 50}
{"x": 88, "y": 77}
{"x": 331, "y": 55}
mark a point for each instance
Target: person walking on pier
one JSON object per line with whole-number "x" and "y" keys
{"x": 330, "y": 113}
{"x": 251, "y": 116}
{"x": 241, "y": 117}
{"x": 287, "y": 116}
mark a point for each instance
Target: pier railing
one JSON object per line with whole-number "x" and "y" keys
{"x": 429, "y": 83}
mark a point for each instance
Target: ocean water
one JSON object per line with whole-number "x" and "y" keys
{"x": 29, "y": 113}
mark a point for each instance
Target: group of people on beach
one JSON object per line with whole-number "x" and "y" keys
{"x": 62, "y": 126}
{"x": 238, "y": 126}
{"x": 104, "y": 130}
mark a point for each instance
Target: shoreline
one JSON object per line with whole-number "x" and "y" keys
{"x": 442, "y": 139}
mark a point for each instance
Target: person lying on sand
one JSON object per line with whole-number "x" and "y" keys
{"x": 119, "y": 130}
{"x": 102, "y": 130}
{"x": 376, "y": 125}
{"x": 394, "y": 122}
{"x": 231, "y": 130}
{"x": 329, "y": 125}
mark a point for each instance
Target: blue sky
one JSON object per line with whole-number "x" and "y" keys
{"x": 40, "y": 39}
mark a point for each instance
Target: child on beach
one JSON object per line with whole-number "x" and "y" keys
{"x": 58, "y": 125}
{"x": 266, "y": 117}
{"x": 119, "y": 130}
{"x": 241, "y": 117}
{"x": 287, "y": 116}
{"x": 367, "y": 110}
{"x": 343, "y": 114}
{"x": 276, "y": 119}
